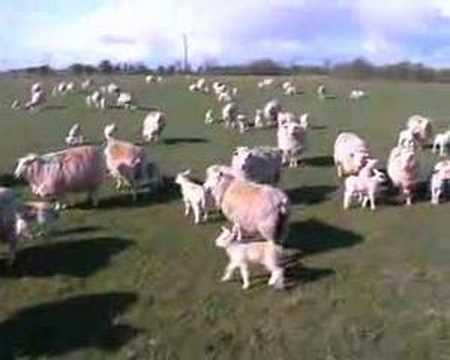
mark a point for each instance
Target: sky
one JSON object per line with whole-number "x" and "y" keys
{"x": 62, "y": 32}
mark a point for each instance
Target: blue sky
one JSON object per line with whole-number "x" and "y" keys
{"x": 60, "y": 32}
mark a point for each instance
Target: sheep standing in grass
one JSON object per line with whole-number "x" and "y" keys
{"x": 259, "y": 119}
{"x": 439, "y": 178}
{"x": 37, "y": 99}
{"x": 209, "y": 117}
{"x": 364, "y": 186}
{"x": 154, "y": 124}
{"x": 441, "y": 143}
{"x": 271, "y": 111}
{"x": 124, "y": 100}
{"x": 229, "y": 114}
{"x": 242, "y": 123}
{"x": 241, "y": 255}
{"x": 75, "y": 136}
{"x": 291, "y": 138}
{"x": 403, "y": 169}
{"x": 350, "y": 154}
{"x": 357, "y": 94}
{"x": 421, "y": 127}
{"x": 97, "y": 100}
{"x": 194, "y": 197}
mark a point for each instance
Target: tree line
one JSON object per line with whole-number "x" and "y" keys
{"x": 357, "y": 69}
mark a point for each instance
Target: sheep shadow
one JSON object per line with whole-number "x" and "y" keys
{"x": 297, "y": 274}
{"x": 313, "y": 236}
{"x": 391, "y": 195}
{"x": 75, "y": 231}
{"x": 64, "y": 326}
{"x": 192, "y": 140}
{"x": 147, "y": 108}
{"x": 319, "y": 161}
{"x": 310, "y": 195}
{"x": 9, "y": 180}
{"x": 78, "y": 258}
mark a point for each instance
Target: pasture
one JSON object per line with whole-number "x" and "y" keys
{"x": 139, "y": 281}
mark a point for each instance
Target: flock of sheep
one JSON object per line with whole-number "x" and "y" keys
{"x": 245, "y": 191}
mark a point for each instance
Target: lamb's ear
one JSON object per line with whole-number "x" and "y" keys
{"x": 225, "y": 229}
{"x": 186, "y": 172}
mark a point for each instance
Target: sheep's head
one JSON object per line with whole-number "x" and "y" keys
{"x": 379, "y": 176}
{"x": 109, "y": 130}
{"x": 23, "y": 163}
{"x": 182, "y": 175}
{"x": 225, "y": 238}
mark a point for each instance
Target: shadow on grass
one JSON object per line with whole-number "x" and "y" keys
{"x": 147, "y": 108}
{"x": 310, "y": 195}
{"x": 75, "y": 258}
{"x": 192, "y": 140}
{"x": 10, "y": 180}
{"x": 297, "y": 274}
{"x": 314, "y": 236}
{"x": 75, "y": 230}
{"x": 319, "y": 161}
{"x": 318, "y": 127}
{"x": 55, "y": 107}
{"x": 57, "y": 328}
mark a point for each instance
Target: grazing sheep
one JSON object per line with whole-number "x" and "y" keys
{"x": 150, "y": 79}
{"x": 96, "y": 99}
{"x": 242, "y": 123}
{"x": 127, "y": 163}
{"x": 357, "y": 94}
{"x": 86, "y": 84}
{"x": 242, "y": 254}
{"x": 74, "y": 170}
{"x": 75, "y": 136}
{"x": 364, "y": 187}
{"x": 253, "y": 209}
{"x": 441, "y": 141}
{"x": 36, "y": 87}
{"x": 209, "y": 117}
{"x": 265, "y": 83}
{"x": 322, "y": 93}
{"x": 290, "y": 90}
{"x": 124, "y": 100}
{"x": 350, "y": 154}
{"x": 194, "y": 197}
{"x": 403, "y": 169}
{"x": 112, "y": 89}
{"x": 37, "y": 99}
{"x": 153, "y": 126}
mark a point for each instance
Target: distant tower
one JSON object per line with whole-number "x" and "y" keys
{"x": 186, "y": 53}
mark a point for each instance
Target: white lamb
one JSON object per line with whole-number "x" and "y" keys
{"x": 209, "y": 117}
{"x": 75, "y": 136}
{"x": 194, "y": 197}
{"x": 259, "y": 118}
{"x": 441, "y": 141}
{"x": 440, "y": 176}
{"x": 364, "y": 187}
{"x": 242, "y": 123}
{"x": 242, "y": 254}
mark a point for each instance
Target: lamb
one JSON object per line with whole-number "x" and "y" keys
{"x": 259, "y": 120}
{"x": 441, "y": 141}
{"x": 291, "y": 138}
{"x": 364, "y": 187}
{"x": 209, "y": 117}
{"x": 439, "y": 178}
{"x": 126, "y": 162}
{"x": 37, "y": 99}
{"x": 350, "y": 154}
{"x": 403, "y": 169}
{"x": 153, "y": 126}
{"x": 194, "y": 197}
{"x": 96, "y": 99}
{"x": 242, "y": 123}
{"x": 242, "y": 254}
{"x": 124, "y": 100}
{"x": 253, "y": 209}
{"x": 75, "y": 136}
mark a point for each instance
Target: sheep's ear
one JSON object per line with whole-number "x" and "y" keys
{"x": 225, "y": 229}
{"x": 186, "y": 172}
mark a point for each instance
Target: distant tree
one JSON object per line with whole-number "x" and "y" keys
{"x": 105, "y": 67}
{"x": 77, "y": 68}
{"x": 161, "y": 70}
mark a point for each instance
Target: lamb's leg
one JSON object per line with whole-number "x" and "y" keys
{"x": 196, "y": 213}
{"x": 237, "y": 229}
{"x": 372, "y": 201}
{"x": 347, "y": 200}
{"x": 245, "y": 276}
{"x": 187, "y": 208}
{"x": 228, "y": 271}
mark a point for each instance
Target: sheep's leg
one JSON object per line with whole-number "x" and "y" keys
{"x": 243, "y": 268}
{"x": 408, "y": 198}
{"x": 196, "y": 214}
{"x": 365, "y": 200}
{"x": 347, "y": 200}
{"x": 372, "y": 201}
{"x": 277, "y": 278}
{"x": 228, "y": 272}
{"x": 187, "y": 208}
{"x": 339, "y": 170}
{"x": 435, "y": 146}
{"x": 238, "y": 230}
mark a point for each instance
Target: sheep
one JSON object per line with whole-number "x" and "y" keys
{"x": 265, "y": 83}
{"x": 153, "y": 126}
{"x": 209, "y": 117}
{"x": 124, "y": 100}
{"x": 291, "y": 138}
{"x": 37, "y": 99}
{"x": 224, "y": 97}
{"x": 439, "y": 177}
{"x": 96, "y": 99}
{"x": 86, "y": 84}
{"x": 271, "y": 110}
{"x": 74, "y": 170}
{"x": 112, "y": 89}
{"x": 229, "y": 114}
{"x": 322, "y": 93}
{"x": 253, "y": 209}
{"x": 259, "y": 119}
{"x": 75, "y": 136}
{"x": 357, "y": 94}
{"x": 407, "y": 139}
{"x": 15, "y": 105}
{"x": 441, "y": 141}
{"x": 194, "y": 197}
{"x": 36, "y": 87}
{"x": 403, "y": 169}
{"x": 364, "y": 186}
{"x": 127, "y": 163}
{"x": 150, "y": 79}
{"x": 259, "y": 164}
{"x": 290, "y": 90}
{"x": 242, "y": 123}
{"x": 242, "y": 254}
{"x": 421, "y": 127}
{"x": 350, "y": 154}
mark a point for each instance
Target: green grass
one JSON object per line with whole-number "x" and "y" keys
{"x": 139, "y": 281}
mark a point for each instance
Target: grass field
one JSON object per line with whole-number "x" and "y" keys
{"x": 139, "y": 281}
